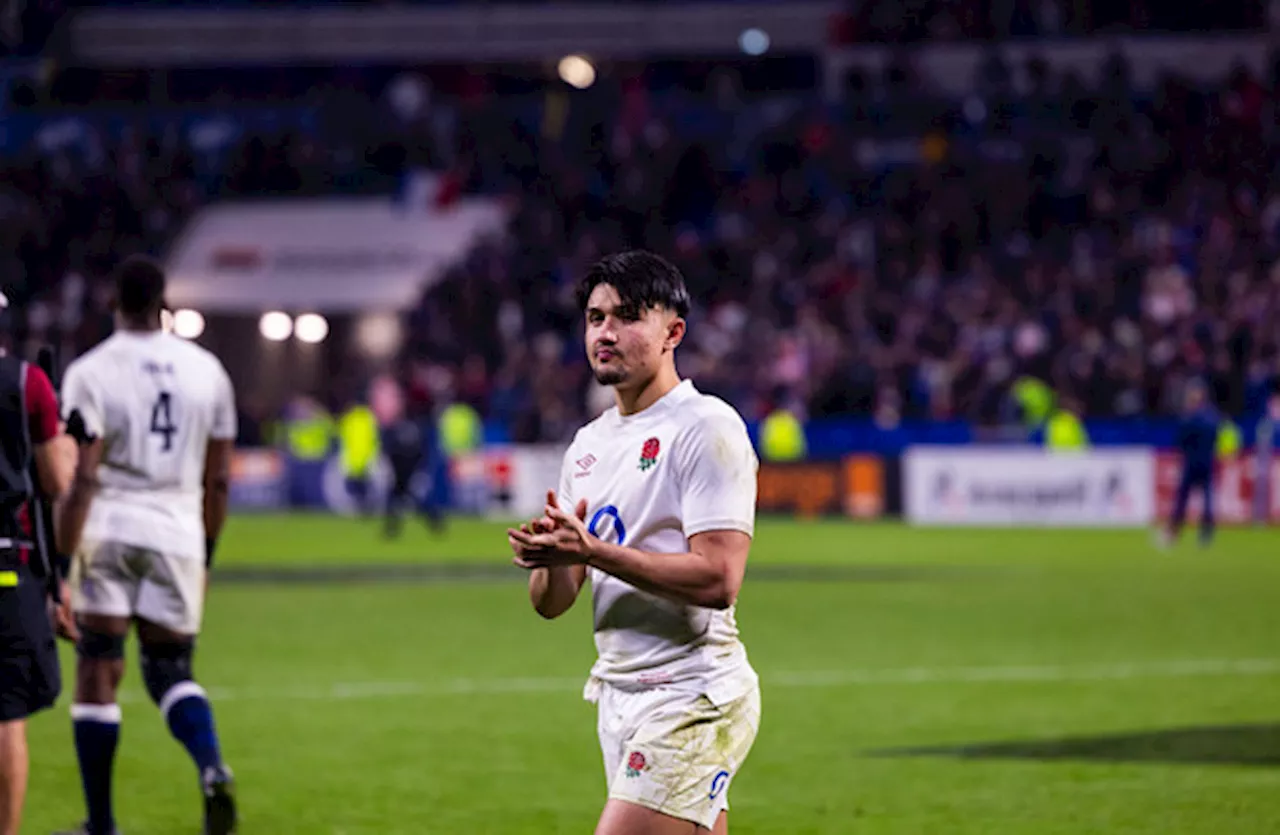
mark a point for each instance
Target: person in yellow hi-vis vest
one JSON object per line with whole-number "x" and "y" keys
{"x": 1035, "y": 400}
{"x": 782, "y": 437}
{"x": 459, "y": 431}
{"x": 358, "y": 450}
{"x": 1064, "y": 431}
{"x": 307, "y": 430}
{"x": 1229, "y": 440}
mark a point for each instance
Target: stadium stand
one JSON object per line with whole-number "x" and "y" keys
{"x": 901, "y": 253}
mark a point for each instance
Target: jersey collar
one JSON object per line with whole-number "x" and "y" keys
{"x": 661, "y": 407}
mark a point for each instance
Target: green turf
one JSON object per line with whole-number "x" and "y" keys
{"x": 449, "y": 707}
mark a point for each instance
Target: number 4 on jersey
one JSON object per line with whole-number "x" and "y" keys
{"x": 162, "y": 420}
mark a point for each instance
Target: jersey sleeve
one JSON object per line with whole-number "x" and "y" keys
{"x": 565, "y": 491}
{"x": 716, "y": 467}
{"x": 225, "y": 425}
{"x": 42, "y": 406}
{"x": 79, "y": 394}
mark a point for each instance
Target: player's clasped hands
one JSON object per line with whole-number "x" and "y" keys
{"x": 555, "y": 538}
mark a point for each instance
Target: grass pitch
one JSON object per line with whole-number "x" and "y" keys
{"x": 1028, "y": 682}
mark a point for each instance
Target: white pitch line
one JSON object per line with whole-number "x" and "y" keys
{"x": 1039, "y": 673}
{"x": 1121, "y": 671}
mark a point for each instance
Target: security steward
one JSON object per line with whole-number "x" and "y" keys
{"x": 31, "y": 441}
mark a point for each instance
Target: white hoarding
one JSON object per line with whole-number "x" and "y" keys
{"x": 1008, "y": 487}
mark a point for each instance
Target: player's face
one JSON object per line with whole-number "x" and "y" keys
{"x": 626, "y": 345}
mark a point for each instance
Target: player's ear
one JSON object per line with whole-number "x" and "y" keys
{"x": 675, "y": 332}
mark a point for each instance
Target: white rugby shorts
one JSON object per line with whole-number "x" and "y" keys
{"x": 675, "y": 751}
{"x": 119, "y": 580}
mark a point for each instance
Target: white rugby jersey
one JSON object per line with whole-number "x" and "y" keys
{"x": 156, "y": 400}
{"x": 683, "y": 466}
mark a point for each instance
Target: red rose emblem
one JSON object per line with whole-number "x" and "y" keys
{"x": 649, "y": 454}
{"x": 636, "y": 761}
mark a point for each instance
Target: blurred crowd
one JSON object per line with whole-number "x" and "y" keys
{"x": 896, "y": 255}
{"x": 1112, "y": 245}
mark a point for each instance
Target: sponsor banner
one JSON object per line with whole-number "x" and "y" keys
{"x": 518, "y": 477}
{"x": 504, "y": 482}
{"x": 268, "y": 479}
{"x": 1006, "y": 487}
{"x": 534, "y": 471}
{"x": 864, "y": 487}
{"x": 511, "y": 482}
{"x": 1236, "y": 490}
{"x": 852, "y": 487}
{"x": 258, "y": 479}
{"x": 807, "y": 489}
{"x": 470, "y": 483}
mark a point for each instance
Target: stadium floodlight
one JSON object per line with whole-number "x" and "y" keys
{"x": 188, "y": 324}
{"x": 754, "y": 41}
{"x": 311, "y": 328}
{"x": 275, "y": 326}
{"x": 378, "y": 335}
{"x": 576, "y": 71}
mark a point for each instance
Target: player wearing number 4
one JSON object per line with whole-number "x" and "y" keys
{"x": 147, "y": 505}
{"x": 656, "y": 506}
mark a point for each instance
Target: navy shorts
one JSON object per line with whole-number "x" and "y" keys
{"x": 30, "y": 675}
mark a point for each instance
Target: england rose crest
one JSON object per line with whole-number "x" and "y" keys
{"x": 649, "y": 454}
{"x": 635, "y": 764}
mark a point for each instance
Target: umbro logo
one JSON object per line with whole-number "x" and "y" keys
{"x": 584, "y": 465}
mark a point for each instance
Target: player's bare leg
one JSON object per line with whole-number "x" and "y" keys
{"x": 13, "y": 774}
{"x": 621, "y": 817}
{"x": 167, "y": 671}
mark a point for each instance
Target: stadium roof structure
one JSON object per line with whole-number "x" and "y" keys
{"x": 470, "y": 32}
